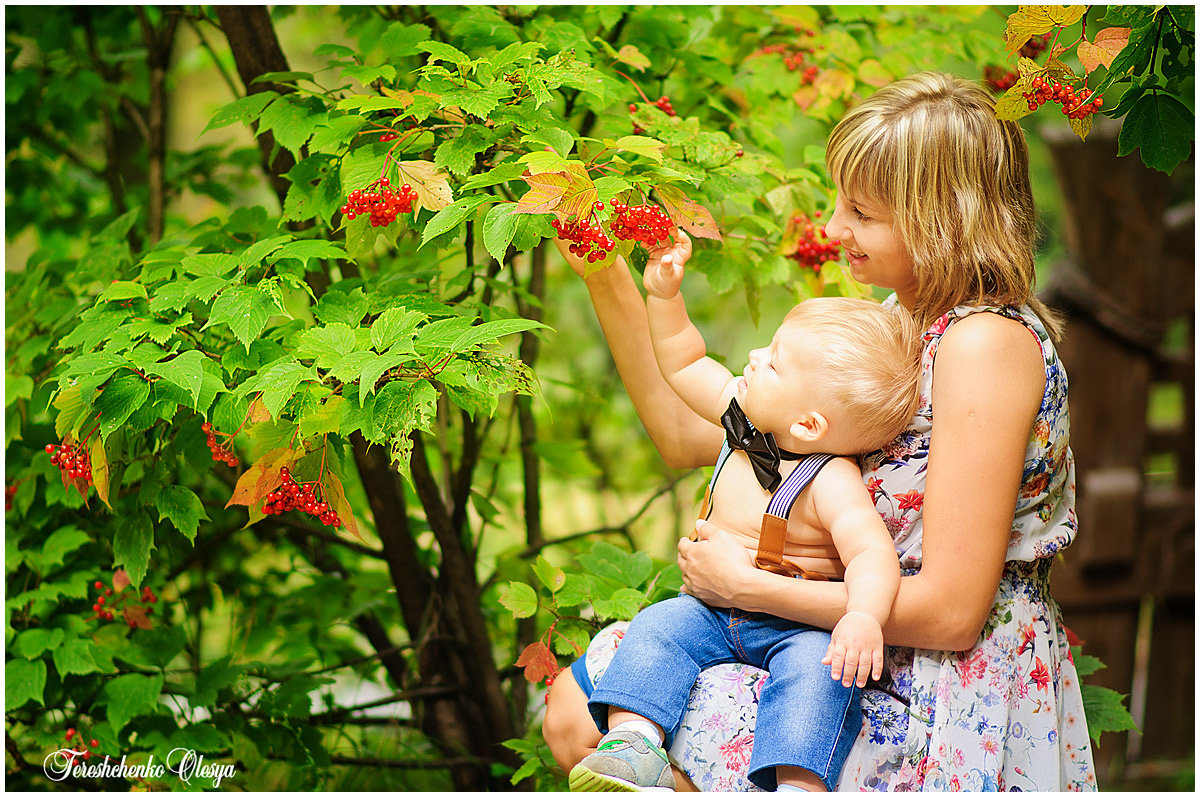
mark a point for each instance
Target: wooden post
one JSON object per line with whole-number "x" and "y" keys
{"x": 1128, "y": 275}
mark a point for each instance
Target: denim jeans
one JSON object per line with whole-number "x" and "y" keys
{"x": 805, "y": 718}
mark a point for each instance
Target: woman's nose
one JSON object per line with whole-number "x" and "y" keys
{"x": 835, "y": 228}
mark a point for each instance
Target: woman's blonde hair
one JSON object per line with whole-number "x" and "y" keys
{"x": 868, "y": 355}
{"x": 956, "y": 180}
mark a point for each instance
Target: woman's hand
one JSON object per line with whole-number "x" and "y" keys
{"x": 716, "y": 567}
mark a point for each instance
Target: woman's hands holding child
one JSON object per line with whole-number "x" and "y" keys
{"x": 855, "y": 650}
{"x": 664, "y": 269}
{"x": 714, "y": 566}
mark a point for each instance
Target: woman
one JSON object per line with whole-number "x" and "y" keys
{"x": 934, "y": 204}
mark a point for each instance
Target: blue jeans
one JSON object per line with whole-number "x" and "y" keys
{"x": 805, "y": 718}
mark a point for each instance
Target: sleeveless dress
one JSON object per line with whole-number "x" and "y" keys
{"x": 1004, "y": 715}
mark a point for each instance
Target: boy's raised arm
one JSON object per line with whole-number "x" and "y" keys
{"x": 705, "y": 385}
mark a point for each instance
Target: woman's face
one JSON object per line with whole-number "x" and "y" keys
{"x": 874, "y": 249}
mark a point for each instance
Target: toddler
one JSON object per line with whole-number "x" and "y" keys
{"x": 838, "y": 379}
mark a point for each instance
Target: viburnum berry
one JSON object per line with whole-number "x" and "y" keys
{"x": 388, "y": 137}
{"x": 588, "y": 239}
{"x": 9, "y": 492}
{"x": 73, "y": 461}
{"x": 645, "y": 224}
{"x": 383, "y": 206}
{"x": 70, "y": 734}
{"x": 1072, "y": 101}
{"x": 814, "y": 249}
{"x": 293, "y": 495}
{"x": 219, "y": 452}
{"x": 998, "y": 79}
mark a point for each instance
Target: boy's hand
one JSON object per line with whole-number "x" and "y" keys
{"x": 664, "y": 269}
{"x": 855, "y": 650}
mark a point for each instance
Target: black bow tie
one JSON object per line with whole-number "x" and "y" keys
{"x": 761, "y": 448}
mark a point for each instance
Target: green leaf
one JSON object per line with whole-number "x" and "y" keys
{"x": 553, "y": 577}
{"x": 609, "y": 561}
{"x": 119, "y": 290}
{"x": 518, "y": 598}
{"x": 1105, "y": 711}
{"x": 326, "y": 344}
{"x": 642, "y": 145}
{"x": 458, "y": 153}
{"x": 620, "y": 605}
{"x": 1086, "y": 665}
{"x": 244, "y": 310}
{"x": 332, "y": 135}
{"x": 444, "y": 52}
{"x": 394, "y": 325}
{"x": 241, "y": 110}
{"x": 60, "y": 543}
{"x": 130, "y": 696}
{"x": 451, "y": 216}
{"x": 256, "y": 252}
{"x": 279, "y": 383}
{"x": 492, "y": 330}
{"x": 23, "y": 681}
{"x": 376, "y": 367}
{"x": 31, "y": 644}
{"x": 132, "y": 544}
{"x": 499, "y": 228}
{"x": 215, "y": 676}
{"x": 209, "y": 264}
{"x": 182, "y": 507}
{"x": 310, "y": 248}
{"x": 124, "y": 393}
{"x": 75, "y": 657}
{"x": 184, "y": 371}
{"x": 1162, "y": 127}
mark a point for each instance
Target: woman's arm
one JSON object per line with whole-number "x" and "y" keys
{"x": 683, "y": 438}
{"x": 988, "y": 384}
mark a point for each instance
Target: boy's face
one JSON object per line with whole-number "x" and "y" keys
{"x": 781, "y": 383}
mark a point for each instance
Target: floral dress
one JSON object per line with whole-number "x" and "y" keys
{"x": 1006, "y": 715}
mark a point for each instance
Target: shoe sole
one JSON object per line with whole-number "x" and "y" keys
{"x": 584, "y": 779}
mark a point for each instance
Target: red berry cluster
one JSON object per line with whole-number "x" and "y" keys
{"x": 814, "y": 248}
{"x": 73, "y": 461}
{"x": 646, "y": 224}
{"x": 9, "y": 492}
{"x": 587, "y": 237}
{"x": 219, "y": 452}
{"x": 999, "y": 79}
{"x": 291, "y": 495}
{"x": 103, "y": 607}
{"x": 388, "y": 137}
{"x": 75, "y": 739}
{"x": 1072, "y": 102}
{"x": 1036, "y": 44}
{"x": 382, "y": 205}
{"x": 795, "y": 58}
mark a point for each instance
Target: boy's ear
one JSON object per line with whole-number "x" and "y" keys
{"x": 810, "y": 427}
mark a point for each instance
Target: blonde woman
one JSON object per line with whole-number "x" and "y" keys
{"x": 979, "y": 692}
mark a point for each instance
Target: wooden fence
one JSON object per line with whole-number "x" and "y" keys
{"x": 1127, "y": 583}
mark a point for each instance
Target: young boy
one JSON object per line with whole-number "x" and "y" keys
{"x": 839, "y": 378}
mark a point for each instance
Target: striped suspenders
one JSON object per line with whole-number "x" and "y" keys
{"x": 774, "y": 523}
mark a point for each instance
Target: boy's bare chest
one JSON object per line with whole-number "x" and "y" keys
{"x": 738, "y": 503}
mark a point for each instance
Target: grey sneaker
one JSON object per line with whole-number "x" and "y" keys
{"x": 624, "y": 761}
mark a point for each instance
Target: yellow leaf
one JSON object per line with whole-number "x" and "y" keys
{"x": 805, "y": 96}
{"x": 633, "y": 56}
{"x": 258, "y": 411}
{"x": 874, "y": 73}
{"x": 834, "y": 83}
{"x": 580, "y": 193}
{"x": 335, "y": 496}
{"x": 1012, "y": 105}
{"x": 261, "y": 478}
{"x": 1065, "y": 15}
{"x": 544, "y": 194}
{"x": 99, "y": 469}
{"x": 431, "y": 183}
{"x": 1025, "y": 22}
{"x": 1082, "y": 126}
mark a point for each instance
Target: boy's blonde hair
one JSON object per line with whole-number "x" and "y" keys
{"x": 868, "y": 355}
{"x": 956, "y": 180}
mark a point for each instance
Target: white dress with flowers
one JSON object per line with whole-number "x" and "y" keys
{"x": 1004, "y": 715}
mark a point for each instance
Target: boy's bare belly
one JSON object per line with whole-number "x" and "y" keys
{"x": 739, "y": 502}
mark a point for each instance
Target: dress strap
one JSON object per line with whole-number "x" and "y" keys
{"x": 773, "y": 533}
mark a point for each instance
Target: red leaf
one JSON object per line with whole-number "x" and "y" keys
{"x": 137, "y": 615}
{"x": 335, "y": 496}
{"x": 687, "y": 213}
{"x": 539, "y": 662}
{"x": 120, "y": 580}
{"x": 261, "y": 478}
{"x": 544, "y": 194}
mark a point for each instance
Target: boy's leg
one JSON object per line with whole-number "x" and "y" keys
{"x": 642, "y": 695}
{"x": 653, "y": 671}
{"x": 807, "y": 721}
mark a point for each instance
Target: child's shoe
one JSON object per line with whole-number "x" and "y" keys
{"x": 624, "y": 761}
